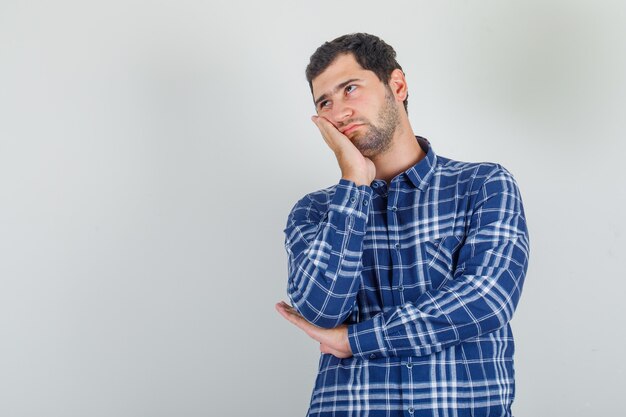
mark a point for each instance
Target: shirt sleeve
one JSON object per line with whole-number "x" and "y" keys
{"x": 482, "y": 295}
{"x": 324, "y": 243}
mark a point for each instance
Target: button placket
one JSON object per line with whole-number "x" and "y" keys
{"x": 394, "y": 243}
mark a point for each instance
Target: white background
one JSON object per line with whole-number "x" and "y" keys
{"x": 150, "y": 152}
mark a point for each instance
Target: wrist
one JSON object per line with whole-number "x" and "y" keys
{"x": 346, "y": 341}
{"x": 356, "y": 179}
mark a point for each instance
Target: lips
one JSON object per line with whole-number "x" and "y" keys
{"x": 349, "y": 128}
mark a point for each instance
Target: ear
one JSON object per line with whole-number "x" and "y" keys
{"x": 398, "y": 86}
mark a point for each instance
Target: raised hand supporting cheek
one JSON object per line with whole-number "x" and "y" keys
{"x": 354, "y": 166}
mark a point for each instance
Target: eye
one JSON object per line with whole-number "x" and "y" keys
{"x": 350, "y": 88}
{"x": 324, "y": 104}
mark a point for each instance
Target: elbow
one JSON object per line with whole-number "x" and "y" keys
{"x": 325, "y": 320}
{"x": 323, "y": 298}
{"x": 324, "y": 315}
{"x": 499, "y": 314}
{"x": 500, "y": 302}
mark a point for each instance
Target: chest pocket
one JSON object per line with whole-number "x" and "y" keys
{"x": 441, "y": 257}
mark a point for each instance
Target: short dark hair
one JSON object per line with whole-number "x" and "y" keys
{"x": 371, "y": 53}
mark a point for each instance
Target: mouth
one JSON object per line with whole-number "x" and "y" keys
{"x": 350, "y": 128}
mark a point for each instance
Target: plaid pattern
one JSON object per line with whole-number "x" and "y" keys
{"x": 427, "y": 273}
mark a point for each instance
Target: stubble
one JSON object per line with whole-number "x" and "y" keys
{"x": 378, "y": 137}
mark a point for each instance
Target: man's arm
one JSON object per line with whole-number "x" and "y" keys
{"x": 324, "y": 244}
{"x": 324, "y": 239}
{"x": 333, "y": 341}
{"x": 480, "y": 299}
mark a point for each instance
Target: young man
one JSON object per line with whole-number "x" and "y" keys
{"x": 408, "y": 271}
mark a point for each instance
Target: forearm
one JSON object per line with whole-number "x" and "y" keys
{"x": 325, "y": 255}
{"x": 486, "y": 281}
{"x": 469, "y": 306}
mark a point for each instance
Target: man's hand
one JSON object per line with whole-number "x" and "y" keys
{"x": 354, "y": 166}
{"x": 333, "y": 341}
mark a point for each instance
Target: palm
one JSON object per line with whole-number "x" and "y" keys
{"x": 353, "y": 164}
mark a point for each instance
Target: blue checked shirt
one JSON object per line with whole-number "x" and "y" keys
{"x": 426, "y": 273}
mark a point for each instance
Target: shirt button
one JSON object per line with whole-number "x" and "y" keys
{"x": 373, "y": 356}
{"x": 411, "y": 410}
{"x": 352, "y": 199}
{"x": 365, "y": 202}
{"x": 409, "y": 365}
{"x": 397, "y": 246}
{"x": 394, "y": 208}
{"x": 375, "y": 185}
{"x": 400, "y": 287}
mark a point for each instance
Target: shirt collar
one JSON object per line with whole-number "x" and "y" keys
{"x": 419, "y": 174}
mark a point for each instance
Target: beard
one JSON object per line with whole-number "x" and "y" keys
{"x": 378, "y": 137}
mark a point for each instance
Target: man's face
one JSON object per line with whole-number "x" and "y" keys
{"x": 357, "y": 103}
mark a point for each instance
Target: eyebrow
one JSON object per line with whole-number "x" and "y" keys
{"x": 337, "y": 88}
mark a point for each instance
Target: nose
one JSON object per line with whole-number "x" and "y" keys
{"x": 340, "y": 112}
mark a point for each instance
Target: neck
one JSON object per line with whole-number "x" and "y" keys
{"x": 403, "y": 153}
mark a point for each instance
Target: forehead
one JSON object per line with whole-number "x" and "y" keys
{"x": 344, "y": 67}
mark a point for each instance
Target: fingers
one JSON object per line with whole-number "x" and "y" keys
{"x": 333, "y": 137}
{"x": 354, "y": 166}
{"x": 325, "y": 337}
{"x": 283, "y": 307}
{"x": 295, "y": 318}
{"x": 324, "y": 348}
{"x": 287, "y": 311}
{"x": 323, "y": 130}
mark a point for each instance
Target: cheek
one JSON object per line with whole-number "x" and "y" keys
{"x": 370, "y": 104}
{"x": 362, "y": 107}
{"x": 371, "y": 112}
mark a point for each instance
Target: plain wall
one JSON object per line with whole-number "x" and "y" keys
{"x": 151, "y": 151}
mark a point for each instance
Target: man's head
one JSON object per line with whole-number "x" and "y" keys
{"x": 363, "y": 100}
{"x": 369, "y": 51}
